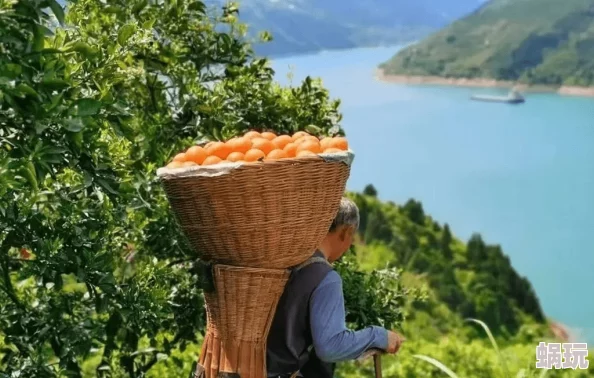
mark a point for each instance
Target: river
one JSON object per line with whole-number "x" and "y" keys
{"x": 521, "y": 175}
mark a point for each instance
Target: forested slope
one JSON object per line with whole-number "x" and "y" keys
{"x": 546, "y": 42}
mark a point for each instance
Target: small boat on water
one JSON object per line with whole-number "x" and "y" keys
{"x": 513, "y": 97}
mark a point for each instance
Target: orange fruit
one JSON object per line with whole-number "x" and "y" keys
{"x": 325, "y": 143}
{"x": 339, "y": 142}
{"x": 299, "y": 134}
{"x": 212, "y": 159}
{"x": 263, "y": 145}
{"x": 332, "y": 150}
{"x": 196, "y": 154}
{"x": 253, "y": 155}
{"x": 208, "y": 145}
{"x": 219, "y": 149}
{"x": 235, "y": 156}
{"x": 309, "y": 145}
{"x": 277, "y": 154}
{"x": 306, "y": 138}
{"x": 268, "y": 135}
{"x": 281, "y": 141}
{"x": 241, "y": 144}
{"x": 189, "y": 164}
{"x": 181, "y": 157}
{"x": 305, "y": 153}
{"x": 252, "y": 134}
{"x": 175, "y": 164}
{"x": 291, "y": 149}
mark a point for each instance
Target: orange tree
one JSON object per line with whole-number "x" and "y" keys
{"x": 92, "y": 102}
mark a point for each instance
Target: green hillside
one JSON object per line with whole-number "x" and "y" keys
{"x": 546, "y": 42}
{"x": 442, "y": 282}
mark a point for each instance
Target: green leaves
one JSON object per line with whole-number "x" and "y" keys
{"x": 87, "y": 107}
{"x": 125, "y": 33}
{"x": 74, "y": 124}
{"x": 92, "y": 117}
{"x": 58, "y": 10}
{"x": 81, "y": 47}
{"x": 437, "y": 364}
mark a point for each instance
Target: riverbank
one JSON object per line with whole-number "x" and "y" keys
{"x": 483, "y": 83}
{"x": 562, "y": 332}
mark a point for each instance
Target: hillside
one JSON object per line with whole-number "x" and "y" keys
{"x": 303, "y": 26}
{"x": 456, "y": 279}
{"x": 545, "y": 42}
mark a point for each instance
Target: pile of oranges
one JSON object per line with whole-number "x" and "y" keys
{"x": 254, "y": 146}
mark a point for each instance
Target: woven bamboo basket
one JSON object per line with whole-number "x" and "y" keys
{"x": 239, "y": 315}
{"x": 270, "y": 214}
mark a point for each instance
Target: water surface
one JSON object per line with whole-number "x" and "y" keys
{"x": 521, "y": 175}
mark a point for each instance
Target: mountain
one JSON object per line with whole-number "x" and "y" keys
{"x": 546, "y": 42}
{"x": 303, "y": 26}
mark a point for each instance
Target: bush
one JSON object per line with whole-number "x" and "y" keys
{"x": 94, "y": 272}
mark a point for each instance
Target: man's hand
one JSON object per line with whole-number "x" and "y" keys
{"x": 394, "y": 342}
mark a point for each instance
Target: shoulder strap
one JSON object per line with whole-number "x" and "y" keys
{"x": 311, "y": 260}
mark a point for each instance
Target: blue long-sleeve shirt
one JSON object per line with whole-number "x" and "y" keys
{"x": 332, "y": 340}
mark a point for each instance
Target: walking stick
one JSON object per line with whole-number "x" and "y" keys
{"x": 377, "y": 360}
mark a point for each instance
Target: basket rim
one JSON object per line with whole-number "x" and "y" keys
{"x": 345, "y": 157}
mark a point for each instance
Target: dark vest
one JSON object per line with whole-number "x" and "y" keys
{"x": 290, "y": 337}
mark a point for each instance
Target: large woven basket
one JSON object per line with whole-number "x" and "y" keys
{"x": 270, "y": 214}
{"x": 239, "y": 314}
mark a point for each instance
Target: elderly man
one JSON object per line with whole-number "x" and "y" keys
{"x": 308, "y": 333}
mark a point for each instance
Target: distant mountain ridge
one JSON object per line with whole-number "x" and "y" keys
{"x": 546, "y": 42}
{"x": 304, "y": 26}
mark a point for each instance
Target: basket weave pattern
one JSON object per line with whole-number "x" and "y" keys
{"x": 239, "y": 315}
{"x": 253, "y": 222}
{"x": 268, "y": 215}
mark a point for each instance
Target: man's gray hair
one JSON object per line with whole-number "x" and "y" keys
{"x": 348, "y": 214}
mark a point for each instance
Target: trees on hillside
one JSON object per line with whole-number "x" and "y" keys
{"x": 92, "y": 263}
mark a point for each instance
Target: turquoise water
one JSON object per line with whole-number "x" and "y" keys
{"x": 522, "y": 176}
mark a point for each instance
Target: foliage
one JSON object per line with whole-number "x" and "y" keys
{"x": 94, "y": 272}
{"x": 476, "y": 280}
{"x": 370, "y": 190}
{"x": 534, "y": 41}
{"x": 503, "y": 370}
{"x": 361, "y": 291}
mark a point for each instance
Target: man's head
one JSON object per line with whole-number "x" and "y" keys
{"x": 342, "y": 231}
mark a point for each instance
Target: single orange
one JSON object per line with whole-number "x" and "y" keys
{"x": 299, "y": 134}
{"x": 196, "y": 154}
{"x": 310, "y": 145}
{"x": 291, "y": 149}
{"x": 252, "y": 134}
{"x": 277, "y": 154}
{"x": 219, "y": 149}
{"x": 212, "y": 159}
{"x": 175, "y": 164}
{"x": 325, "y": 143}
{"x": 339, "y": 142}
{"x": 181, "y": 157}
{"x": 306, "y": 139}
{"x": 208, "y": 145}
{"x": 268, "y": 135}
{"x": 235, "y": 156}
{"x": 303, "y": 153}
{"x": 253, "y": 155}
{"x": 263, "y": 145}
{"x": 241, "y": 144}
{"x": 332, "y": 150}
{"x": 189, "y": 164}
{"x": 281, "y": 141}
